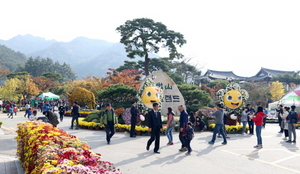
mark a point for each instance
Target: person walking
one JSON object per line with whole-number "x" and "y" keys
{"x": 47, "y": 106}
{"x": 285, "y": 122}
{"x": 244, "y": 120}
{"x": 134, "y": 114}
{"x": 61, "y": 111}
{"x": 109, "y": 119}
{"x": 218, "y": 114}
{"x": 7, "y": 107}
{"x": 75, "y": 115}
{"x": 292, "y": 120}
{"x": 27, "y": 106}
{"x": 155, "y": 125}
{"x": 29, "y": 112}
{"x": 250, "y": 111}
{"x": 224, "y": 123}
{"x": 279, "y": 111}
{"x": 170, "y": 126}
{"x": 15, "y": 110}
{"x": 258, "y": 120}
{"x": 11, "y": 113}
{"x": 189, "y": 137}
{"x": 183, "y": 119}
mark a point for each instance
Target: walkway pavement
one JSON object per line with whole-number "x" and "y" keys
{"x": 130, "y": 155}
{"x": 10, "y": 165}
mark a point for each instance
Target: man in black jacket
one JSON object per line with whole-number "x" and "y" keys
{"x": 75, "y": 115}
{"x": 250, "y": 111}
{"x": 61, "y": 110}
{"x": 292, "y": 120}
{"x": 280, "y": 112}
{"x": 134, "y": 113}
{"x": 155, "y": 125}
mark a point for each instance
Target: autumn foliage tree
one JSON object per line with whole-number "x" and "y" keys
{"x": 83, "y": 97}
{"x": 92, "y": 84}
{"x": 129, "y": 77}
{"x": 44, "y": 84}
{"x": 18, "y": 88}
{"x": 276, "y": 90}
{"x": 9, "y": 90}
{"x": 28, "y": 88}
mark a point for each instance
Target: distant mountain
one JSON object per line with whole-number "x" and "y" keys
{"x": 87, "y": 57}
{"x": 9, "y": 59}
{"x": 27, "y": 43}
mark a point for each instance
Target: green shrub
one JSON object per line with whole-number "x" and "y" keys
{"x": 93, "y": 116}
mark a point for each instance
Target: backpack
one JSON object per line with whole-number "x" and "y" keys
{"x": 294, "y": 117}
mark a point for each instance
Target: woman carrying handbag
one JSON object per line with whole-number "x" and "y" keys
{"x": 170, "y": 126}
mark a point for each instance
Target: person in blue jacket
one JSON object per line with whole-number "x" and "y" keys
{"x": 183, "y": 123}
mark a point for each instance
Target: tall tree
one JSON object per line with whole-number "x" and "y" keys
{"x": 53, "y": 75}
{"x": 186, "y": 70}
{"x": 276, "y": 90}
{"x": 37, "y": 66}
{"x": 259, "y": 95}
{"x": 192, "y": 95}
{"x": 9, "y": 90}
{"x": 142, "y": 36}
{"x": 128, "y": 65}
{"x": 45, "y": 84}
{"x": 127, "y": 77}
{"x": 288, "y": 78}
{"x": 117, "y": 93}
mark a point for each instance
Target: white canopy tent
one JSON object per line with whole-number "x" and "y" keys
{"x": 291, "y": 98}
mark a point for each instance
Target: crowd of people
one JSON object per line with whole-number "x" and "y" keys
{"x": 287, "y": 118}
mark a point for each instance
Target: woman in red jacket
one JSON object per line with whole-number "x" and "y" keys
{"x": 258, "y": 120}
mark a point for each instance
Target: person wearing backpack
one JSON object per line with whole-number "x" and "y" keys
{"x": 171, "y": 122}
{"x": 292, "y": 120}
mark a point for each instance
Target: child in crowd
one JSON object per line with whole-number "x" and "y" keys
{"x": 33, "y": 117}
{"x": 15, "y": 110}
{"x": 29, "y": 112}
{"x": 11, "y": 112}
{"x": 189, "y": 137}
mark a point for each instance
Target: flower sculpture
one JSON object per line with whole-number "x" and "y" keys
{"x": 43, "y": 148}
{"x": 233, "y": 97}
{"x": 147, "y": 94}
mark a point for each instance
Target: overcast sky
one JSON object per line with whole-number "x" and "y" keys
{"x": 227, "y": 35}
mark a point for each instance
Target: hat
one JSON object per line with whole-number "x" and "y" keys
{"x": 108, "y": 104}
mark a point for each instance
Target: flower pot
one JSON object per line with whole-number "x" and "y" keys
{"x": 138, "y": 132}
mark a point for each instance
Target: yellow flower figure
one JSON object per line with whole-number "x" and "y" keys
{"x": 150, "y": 95}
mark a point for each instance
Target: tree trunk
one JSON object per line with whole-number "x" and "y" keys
{"x": 147, "y": 60}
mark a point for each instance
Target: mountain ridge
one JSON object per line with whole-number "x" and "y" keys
{"x": 87, "y": 57}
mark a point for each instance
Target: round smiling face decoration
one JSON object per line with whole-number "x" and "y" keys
{"x": 150, "y": 95}
{"x": 233, "y": 99}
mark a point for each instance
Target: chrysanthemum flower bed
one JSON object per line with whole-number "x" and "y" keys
{"x": 43, "y": 149}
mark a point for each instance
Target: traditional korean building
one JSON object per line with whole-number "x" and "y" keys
{"x": 263, "y": 75}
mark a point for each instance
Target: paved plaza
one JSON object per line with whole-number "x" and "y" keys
{"x": 130, "y": 155}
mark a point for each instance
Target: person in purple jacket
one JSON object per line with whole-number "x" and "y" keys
{"x": 183, "y": 123}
